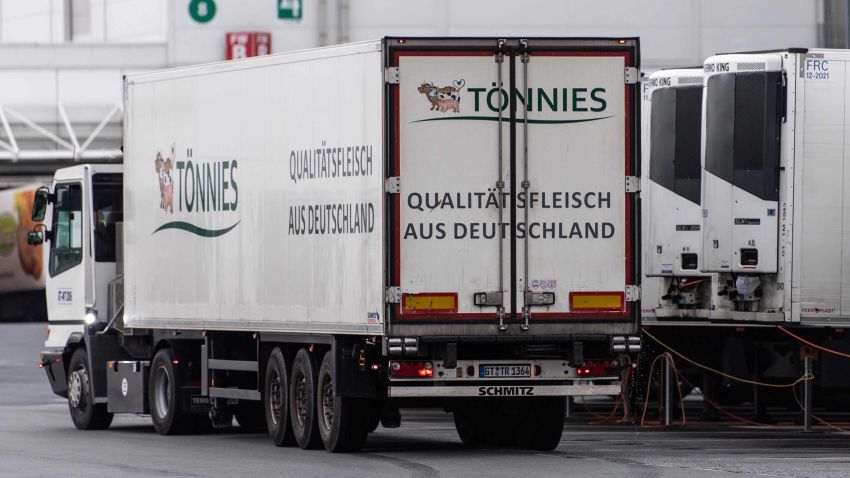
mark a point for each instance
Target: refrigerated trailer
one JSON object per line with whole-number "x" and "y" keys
{"x": 774, "y": 216}
{"x": 309, "y": 241}
{"x": 675, "y": 287}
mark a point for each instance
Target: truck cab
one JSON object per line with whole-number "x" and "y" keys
{"x": 82, "y": 211}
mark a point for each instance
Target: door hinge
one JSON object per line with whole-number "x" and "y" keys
{"x": 632, "y": 184}
{"x": 392, "y": 295}
{"x": 392, "y": 185}
{"x": 632, "y": 293}
{"x": 392, "y": 75}
{"x": 632, "y": 76}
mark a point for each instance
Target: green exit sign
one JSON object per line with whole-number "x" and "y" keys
{"x": 289, "y": 9}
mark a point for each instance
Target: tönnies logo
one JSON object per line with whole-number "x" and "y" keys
{"x": 546, "y": 105}
{"x": 202, "y": 187}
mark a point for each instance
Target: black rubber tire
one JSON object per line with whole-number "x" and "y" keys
{"x": 164, "y": 397}
{"x": 86, "y": 415}
{"x": 469, "y": 428}
{"x": 279, "y": 425}
{"x": 486, "y": 422}
{"x": 541, "y": 423}
{"x": 343, "y": 422}
{"x": 302, "y": 401}
{"x": 374, "y": 419}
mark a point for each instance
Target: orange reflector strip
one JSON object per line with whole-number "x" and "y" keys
{"x": 429, "y": 302}
{"x": 597, "y": 301}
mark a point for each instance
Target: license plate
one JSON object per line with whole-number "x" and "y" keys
{"x": 502, "y": 371}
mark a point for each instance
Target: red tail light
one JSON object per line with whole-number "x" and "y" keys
{"x": 597, "y": 368}
{"x": 411, "y": 369}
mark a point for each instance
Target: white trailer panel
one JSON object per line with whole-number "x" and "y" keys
{"x": 244, "y": 210}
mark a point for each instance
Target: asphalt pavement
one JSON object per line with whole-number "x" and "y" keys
{"x": 37, "y": 439}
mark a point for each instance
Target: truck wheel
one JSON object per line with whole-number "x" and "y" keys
{"x": 343, "y": 422}
{"x": 302, "y": 401}
{"x": 541, "y": 423}
{"x": 164, "y": 397}
{"x": 85, "y": 414}
{"x": 276, "y": 400}
{"x": 469, "y": 428}
{"x": 476, "y": 427}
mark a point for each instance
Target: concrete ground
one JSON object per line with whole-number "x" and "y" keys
{"x": 37, "y": 439}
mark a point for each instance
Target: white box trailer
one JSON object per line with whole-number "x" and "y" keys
{"x": 773, "y": 213}
{"x": 379, "y": 224}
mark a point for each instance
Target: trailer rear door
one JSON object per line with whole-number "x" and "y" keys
{"x": 512, "y": 210}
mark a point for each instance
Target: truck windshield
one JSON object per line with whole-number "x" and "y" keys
{"x": 675, "y": 140}
{"x": 108, "y": 210}
{"x": 743, "y": 119}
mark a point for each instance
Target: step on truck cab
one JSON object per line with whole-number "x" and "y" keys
{"x": 312, "y": 240}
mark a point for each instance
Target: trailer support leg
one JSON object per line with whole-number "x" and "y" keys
{"x": 668, "y": 392}
{"x": 807, "y": 392}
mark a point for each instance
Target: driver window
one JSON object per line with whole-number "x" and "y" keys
{"x": 66, "y": 248}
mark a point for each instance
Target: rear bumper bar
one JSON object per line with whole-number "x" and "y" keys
{"x": 512, "y": 389}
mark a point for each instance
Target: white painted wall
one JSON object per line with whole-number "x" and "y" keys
{"x": 673, "y": 32}
{"x": 39, "y": 67}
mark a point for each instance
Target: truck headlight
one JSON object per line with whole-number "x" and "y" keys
{"x": 90, "y": 317}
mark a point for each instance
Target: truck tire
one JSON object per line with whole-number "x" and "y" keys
{"x": 302, "y": 401}
{"x": 164, "y": 397}
{"x": 476, "y": 426}
{"x": 85, "y": 414}
{"x": 343, "y": 422}
{"x": 276, "y": 400}
{"x": 541, "y": 423}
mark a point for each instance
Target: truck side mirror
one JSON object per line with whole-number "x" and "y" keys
{"x": 39, "y": 205}
{"x": 35, "y": 238}
{"x": 38, "y": 235}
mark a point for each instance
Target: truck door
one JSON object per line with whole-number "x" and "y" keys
{"x": 66, "y": 291}
{"x": 510, "y": 159}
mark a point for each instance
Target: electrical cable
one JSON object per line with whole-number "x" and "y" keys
{"x": 724, "y": 374}
{"x": 810, "y": 344}
{"x": 821, "y": 421}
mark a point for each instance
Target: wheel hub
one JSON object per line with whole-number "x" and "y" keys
{"x": 301, "y": 400}
{"x": 327, "y": 403}
{"x": 275, "y": 397}
{"x": 75, "y": 387}
{"x": 162, "y": 392}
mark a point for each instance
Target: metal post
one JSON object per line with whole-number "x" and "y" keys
{"x": 807, "y": 392}
{"x": 668, "y": 392}
{"x": 569, "y": 406}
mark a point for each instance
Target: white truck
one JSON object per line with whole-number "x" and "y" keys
{"x": 21, "y": 267}
{"x": 309, "y": 241}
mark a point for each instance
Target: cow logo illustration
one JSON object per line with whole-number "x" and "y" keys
{"x": 443, "y": 98}
{"x": 166, "y": 182}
